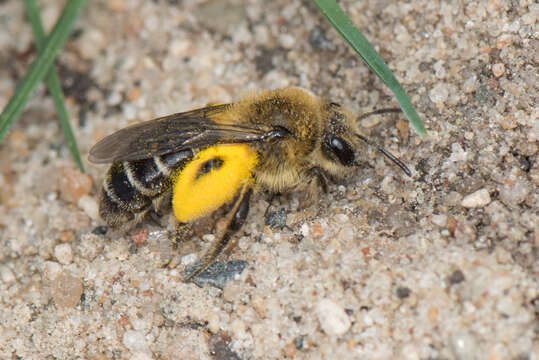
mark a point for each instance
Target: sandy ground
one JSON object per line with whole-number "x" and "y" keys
{"x": 443, "y": 265}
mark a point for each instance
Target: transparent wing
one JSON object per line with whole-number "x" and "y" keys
{"x": 188, "y": 130}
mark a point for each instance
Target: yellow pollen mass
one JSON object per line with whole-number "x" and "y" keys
{"x": 198, "y": 191}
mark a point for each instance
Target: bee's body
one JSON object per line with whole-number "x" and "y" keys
{"x": 280, "y": 141}
{"x": 132, "y": 188}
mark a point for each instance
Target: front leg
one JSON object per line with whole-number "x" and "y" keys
{"x": 236, "y": 219}
{"x": 318, "y": 179}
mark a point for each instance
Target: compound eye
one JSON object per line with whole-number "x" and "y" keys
{"x": 341, "y": 149}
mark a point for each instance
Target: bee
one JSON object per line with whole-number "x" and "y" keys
{"x": 195, "y": 162}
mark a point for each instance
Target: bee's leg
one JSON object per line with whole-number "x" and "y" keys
{"x": 318, "y": 179}
{"x": 273, "y": 196}
{"x": 179, "y": 232}
{"x": 163, "y": 204}
{"x": 236, "y": 218}
{"x": 173, "y": 239}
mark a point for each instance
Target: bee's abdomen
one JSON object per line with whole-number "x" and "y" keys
{"x": 130, "y": 186}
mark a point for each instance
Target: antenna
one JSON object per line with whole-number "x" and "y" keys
{"x": 389, "y": 155}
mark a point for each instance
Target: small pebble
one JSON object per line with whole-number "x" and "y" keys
{"x": 134, "y": 93}
{"x": 440, "y": 220}
{"x": 477, "y": 199}
{"x": 73, "y": 185}
{"x": 509, "y": 305}
{"x": 100, "y": 230}
{"x": 179, "y": 47}
{"x": 502, "y": 255}
{"x": 370, "y": 121}
{"x": 290, "y": 350}
{"x": 319, "y": 40}
{"x": 498, "y": 69}
{"x": 6, "y": 274}
{"x": 66, "y": 290}
{"x": 220, "y": 348}
{"x": 456, "y": 277}
{"x": 238, "y": 329}
{"x": 403, "y": 292}
{"x": 287, "y": 41}
{"x": 508, "y": 122}
{"x": 63, "y": 253}
{"x": 276, "y": 219}
{"x": 317, "y": 230}
{"x": 504, "y": 40}
{"x": 332, "y": 317}
{"x": 188, "y": 259}
{"x": 304, "y": 230}
{"x": 135, "y": 341}
{"x": 51, "y": 269}
{"x": 439, "y": 93}
{"x": 208, "y": 238}
{"x": 342, "y": 218}
{"x": 514, "y": 191}
{"x": 117, "y": 5}
{"x": 139, "y": 237}
{"x": 90, "y": 207}
{"x": 221, "y": 16}
{"x": 409, "y": 352}
{"x": 404, "y": 129}
{"x": 219, "y": 273}
{"x": 231, "y": 291}
{"x": 299, "y": 342}
{"x": 465, "y": 232}
{"x": 451, "y": 225}
{"x": 90, "y": 44}
{"x": 463, "y": 345}
{"x": 259, "y": 305}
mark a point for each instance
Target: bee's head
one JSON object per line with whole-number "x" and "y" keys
{"x": 340, "y": 143}
{"x": 337, "y": 142}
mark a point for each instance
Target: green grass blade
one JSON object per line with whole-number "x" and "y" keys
{"x": 53, "y": 82}
{"x": 40, "y": 66}
{"x": 361, "y": 45}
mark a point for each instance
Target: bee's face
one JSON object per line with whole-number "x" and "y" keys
{"x": 339, "y": 143}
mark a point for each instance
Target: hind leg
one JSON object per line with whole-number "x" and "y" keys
{"x": 236, "y": 219}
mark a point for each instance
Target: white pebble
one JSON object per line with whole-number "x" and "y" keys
{"x": 208, "y": 237}
{"x": 135, "y": 341}
{"x": 91, "y": 43}
{"x": 287, "y": 41}
{"x": 188, "y": 259}
{"x": 6, "y": 274}
{"x": 238, "y": 329}
{"x": 409, "y": 352}
{"x": 515, "y": 191}
{"x": 333, "y": 319}
{"x": 440, "y": 220}
{"x": 509, "y": 305}
{"x": 178, "y": 47}
{"x": 342, "y": 218}
{"x": 464, "y": 345}
{"x": 439, "y": 93}
{"x": 498, "y": 69}
{"x": 114, "y": 98}
{"x": 51, "y": 270}
{"x": 304, "y": 229}
{"x": 63, "y": 253}
{"x": 88, "y": 204}
{"x": 477, "y": 199}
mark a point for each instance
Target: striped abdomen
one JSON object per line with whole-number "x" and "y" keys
{"x": 130, "y": 187}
